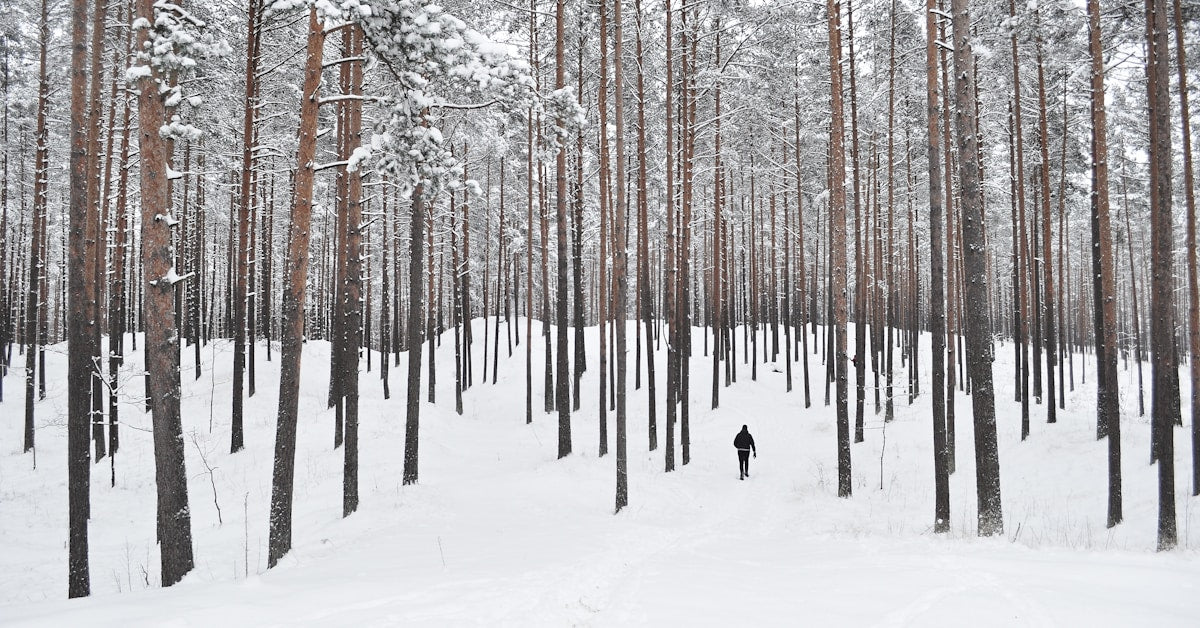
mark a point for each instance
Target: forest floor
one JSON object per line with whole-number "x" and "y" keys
{"x": 500, "y": 532}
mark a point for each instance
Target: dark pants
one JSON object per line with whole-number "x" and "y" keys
{"x": 743, "y": 463}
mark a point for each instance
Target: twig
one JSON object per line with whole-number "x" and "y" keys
{"x": 213, "y": 482}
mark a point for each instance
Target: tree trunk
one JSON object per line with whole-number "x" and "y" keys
{"x": 643, "y": 280}
{"x": 97, "y": 252}
{"x": 1165, "y": 374}
{"x": 1193, "y": 275}
{"x": 79, "y": 323}
{"x": 1047, "y": 283}
{"x": 837, "y": 217}
{"x": 604, "y": 309}
{"x": 860, "y": 280}
{"x": 979, "y": 333}
{"x": 577, "y": 236}
{"x": 295, "y": 282}
{"x": 237, "y": 439}
{"x": 353, "y": 300}
{"x": 161, "y": 343}
{"x": 620, "y": 266}
{"x": 37, "y": 253}
{"x": 669, "y": 300}
{"x": 800, "y": 269}
{"x": 562, "y": 390}
{"x": 937, "y": 312}
{"x": 1108, "y": 407}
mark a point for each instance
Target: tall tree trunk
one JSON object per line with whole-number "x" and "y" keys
{"x": 529, "y": 161}
{"x": 1165, "y": 375}
{"x": 577, "y": 236}
{"x": 295, "y": 283}
{"x": 620, "y": 265}
{"x": 980, "y": 351}
{"x": 117, "y": 283}
{"x": 684, "y": 293}
{"x": 96, "y": 228}
{"x": 79, "y": 322}
{"x": 353, "y": 300}
{"x": 1193, "y": 275}
{"x": 669, "y": 301}
{"x": 800, "y": 270}
{"x": 1047, "y": 284}
{"x": 837, "y": 217}
{"x": 643, "y": 280}
{"x": 237, "y": 437}
{"x": 37, "y": 262}
{"x": 1023, "y": 255}
{"x": 118, "y": 299}
{"x": 860, "y": 280}
{"x": 161, "y": 343}
{"x": 416, "y": 332}
{"x": 1134, "y": 302}
{"x": 604, "y": 309}
{"x": 889, "y": 412}
{"x": 714, "y": 288}
{"x": 562, "y": 390}
{"x": 1108, "y": 406}
{"x": 937, "y": 304}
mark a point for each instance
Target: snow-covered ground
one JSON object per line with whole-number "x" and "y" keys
{"x": 499, "y": 532}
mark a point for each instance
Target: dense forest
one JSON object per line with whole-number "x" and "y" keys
{"x": 838, "y": 180}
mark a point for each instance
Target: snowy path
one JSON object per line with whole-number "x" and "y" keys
{"x": 498, "y": 532}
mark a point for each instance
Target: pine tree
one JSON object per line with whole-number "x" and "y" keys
{"x": 937, "y": 316}
{"x": 837, "y": 218}
{"x": 79, "y": 336}
{"x": 1108, "y": 407}
{"x": 294, "y": 293}
{"x": 563, "y": 379}
{"x": 979, "y": 333}
{"x": 1165, "y": 375}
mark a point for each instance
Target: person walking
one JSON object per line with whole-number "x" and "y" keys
{"x": 744, "y": 443}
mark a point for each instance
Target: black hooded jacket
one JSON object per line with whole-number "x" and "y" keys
{"x": 744, "y": 441}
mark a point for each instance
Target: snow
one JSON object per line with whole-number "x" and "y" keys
{"x": 499, "y": 532}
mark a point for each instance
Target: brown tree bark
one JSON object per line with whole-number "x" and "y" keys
{"x": 714, "y": 288}
{"x": 577, "y": 236}
{"x": 1047, "y": 283}
{"x": 37, "y": 262}
{"x": 801, "y": 272}
{"x": 161, "y": 342}
{"x": 837, "y": 217}
{"x": 604, "y": 309}
{"x": 295, "y": 283}
{"x": 562, "y": 389}
{"x": 891, "y": 291}
{"x": 860, "y": 280}
{"x": 1108, "y": 407}
{"x": 416, "y": 333}
{"x": 1023, "y": 255}
{"x": 96, "y": 227}
{"x": 80, "y": 337}
{"x": 620, "y": 265}
{"x": 118, "y": 303}
{"x": 246, "y": 198}
{"x": 1165, "y": 374}
{"x": 1192, "y": 273}
{"x": 670, "y": 307}
{"x": 979, "y": 334}
{"x": 352, "y": 303}
{"x": 937, "y": 312}
{"x": 643, "y": 279}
